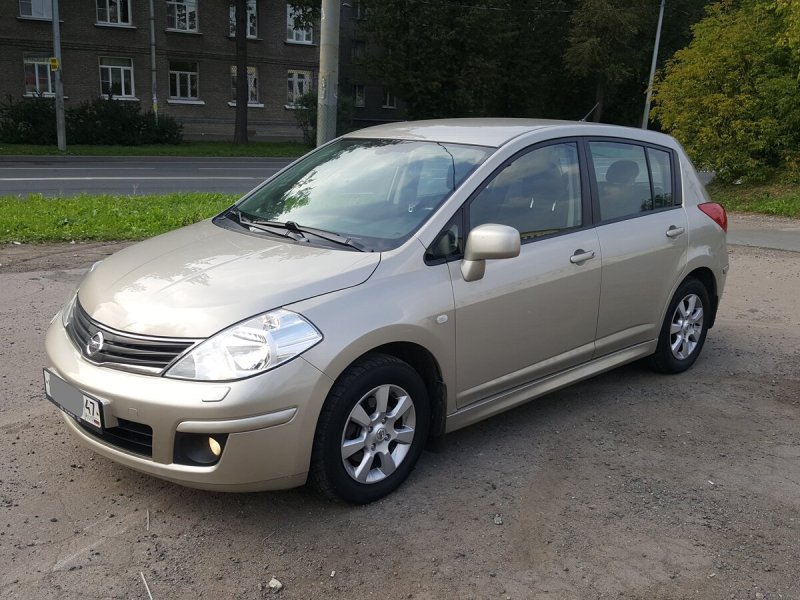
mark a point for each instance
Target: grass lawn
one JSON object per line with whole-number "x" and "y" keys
{"x": 109, "y": 217}
{"x": 104, "y": 217}
{"x": 185, "y": 149}
{"x": 777, "y": 197}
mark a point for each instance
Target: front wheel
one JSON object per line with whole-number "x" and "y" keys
{"x": 371, "y": 430}
{"x": 684, "y": 330}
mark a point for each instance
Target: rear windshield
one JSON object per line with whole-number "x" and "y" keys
{"x": 376, "y": 192}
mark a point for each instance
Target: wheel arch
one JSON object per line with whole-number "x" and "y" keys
{"x": 706, "y": 277}
{"x": 427, "y": 367}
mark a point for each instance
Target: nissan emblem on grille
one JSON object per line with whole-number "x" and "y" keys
{"x": 95, "y": 344}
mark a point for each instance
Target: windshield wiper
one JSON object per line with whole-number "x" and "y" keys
{"x": 293, "y": 230}
{"x": 324, "y": 234}
{"x": 266, "y": 226}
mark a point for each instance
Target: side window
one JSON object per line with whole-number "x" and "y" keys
{"x": 624, "y": 177}
{"x": 538, "y": 193}
{"x": 661, "y": 168}
{"x": 623, "y": 183}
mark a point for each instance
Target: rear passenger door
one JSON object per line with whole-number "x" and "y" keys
{"x": 643, "y": 238}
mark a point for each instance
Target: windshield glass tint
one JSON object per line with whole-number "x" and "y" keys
{"x": 377, "y": 192}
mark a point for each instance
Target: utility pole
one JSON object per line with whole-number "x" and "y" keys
{"x": 153, "y": 86}
{"x": 242, "y": 76}
{"x": 61, "y": 129}
{"x": 328, "y": 71}
{"x": 646, "y": 116}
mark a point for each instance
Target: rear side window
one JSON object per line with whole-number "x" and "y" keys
{"x": 631, "y": 179}
{"x": 661, "y": 167}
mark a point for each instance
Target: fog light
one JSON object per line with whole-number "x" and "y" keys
{"x": 198, "y": 449}
{"x": 214, "y": 446}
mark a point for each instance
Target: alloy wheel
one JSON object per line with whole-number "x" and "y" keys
{"x": 686, "y": 327}
{"x": 378, "y": 434}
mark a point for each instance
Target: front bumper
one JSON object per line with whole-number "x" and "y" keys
{"x": 270, "y": 419}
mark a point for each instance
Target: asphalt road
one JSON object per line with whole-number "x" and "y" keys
{"x": 67, "y": 176}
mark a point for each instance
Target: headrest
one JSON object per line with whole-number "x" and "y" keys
{"x": 622, "y": 171}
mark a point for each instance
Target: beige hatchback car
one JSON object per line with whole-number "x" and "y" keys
{"x": 399, "y": 283}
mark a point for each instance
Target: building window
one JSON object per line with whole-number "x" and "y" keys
{"x": 359, "y": 49}
{"x": 389, "y": 100}
{"x": 252, "y": 85}
{"x": 114, "y": 12}
{"x": 116, "y": 77}
{"x": 359, "y": 97}
{"x": 252, "y": 19}
{"x": 39, "y": 79}
{"x": 294, "y": 34}
{"x": 36, "y": 9}
{"x": 183, "y": 80}
{"x": 182, "y": 15}
{"x": 299, "y": 84}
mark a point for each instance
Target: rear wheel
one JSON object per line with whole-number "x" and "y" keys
{"x": 371, "y": 430}
{"x": 684, "y": 330}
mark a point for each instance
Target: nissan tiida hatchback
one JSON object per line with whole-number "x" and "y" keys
{"x": 399, "y": 283}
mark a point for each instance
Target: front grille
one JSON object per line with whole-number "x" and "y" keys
{"x": 143, "y": 354}
{"x": 128, "y": 435}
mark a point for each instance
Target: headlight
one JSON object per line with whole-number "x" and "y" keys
{"x": 66, "y": 312}
{"x": 249, "y": 348}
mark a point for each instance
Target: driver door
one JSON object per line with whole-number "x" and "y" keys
{"x": 535, "y": 314}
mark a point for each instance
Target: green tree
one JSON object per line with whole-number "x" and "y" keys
{"x": 477, "y": 58}
{"x": 732, "y": 96}
{"x": 507, "y": 57}
{"x": 610, "y": 47}
{"x": 790, "y": 11}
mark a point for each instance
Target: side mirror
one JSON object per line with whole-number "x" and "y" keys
{"x": 484, "y": 242}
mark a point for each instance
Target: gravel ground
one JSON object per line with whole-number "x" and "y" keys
{"x": 629, "y": 485}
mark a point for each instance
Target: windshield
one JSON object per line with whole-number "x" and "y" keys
{"x": 374, "y": 192}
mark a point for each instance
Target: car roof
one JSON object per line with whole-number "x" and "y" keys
{"x": 493, "y": 132}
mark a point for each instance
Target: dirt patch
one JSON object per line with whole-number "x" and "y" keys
{"x": 20, "y": 258}
{"x": 628, "y": 485}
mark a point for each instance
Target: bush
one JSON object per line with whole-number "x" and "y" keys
{"x": 100, "y": 122}
{"x": 109, "y": 122}
{"x": 32, "y": 121}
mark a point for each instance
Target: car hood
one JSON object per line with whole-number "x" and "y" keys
{"x": 197, "y": 280}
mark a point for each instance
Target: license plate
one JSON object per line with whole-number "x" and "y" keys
{"x": 73, "y": 401}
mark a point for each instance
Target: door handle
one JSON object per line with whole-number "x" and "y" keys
{"x": 674, "y": 232}
{"x": 580, "y": 256}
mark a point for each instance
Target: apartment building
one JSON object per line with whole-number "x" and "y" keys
{"x": 106, "y": 50}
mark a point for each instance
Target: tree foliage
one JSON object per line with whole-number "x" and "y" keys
{"x": 471, "y": 58}
{"x": 790, "y": 11}
{"x": 732, "y": 96}
{"x": 543, "y": 58}
{"x": 610, "y": 47}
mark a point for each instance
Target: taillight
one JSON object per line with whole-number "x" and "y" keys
{"x": 716, "y": 212}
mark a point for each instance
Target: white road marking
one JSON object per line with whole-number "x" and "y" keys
{"x": 52, "y": 168}
{"x": 132, "y": 178}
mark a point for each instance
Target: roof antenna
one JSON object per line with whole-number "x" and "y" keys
{"x": 589, "y": 113}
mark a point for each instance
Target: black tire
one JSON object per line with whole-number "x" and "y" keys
{"x": 665, "y": 359}
{"x": 329, "y": 469}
